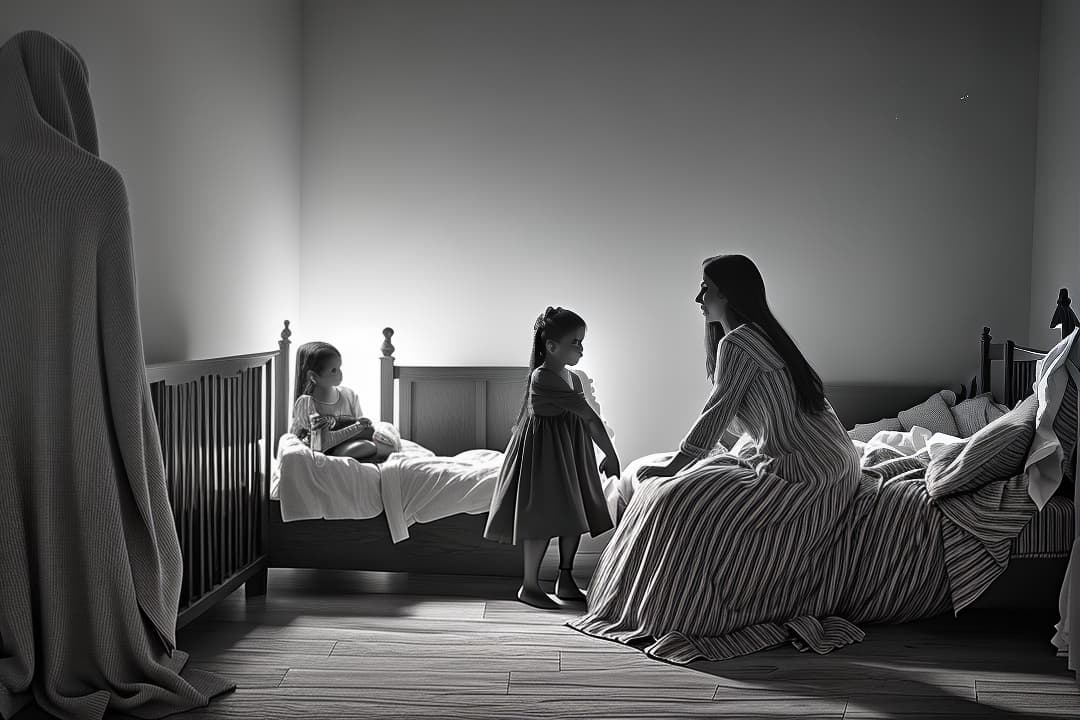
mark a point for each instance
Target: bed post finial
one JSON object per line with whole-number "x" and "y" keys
{"x": 386, "y": 377}
{"x": 984, "y": 364}
{"x": 387, "y": 346}
{"x": 281, "y": 386}
{"x": 1064, "y": 317}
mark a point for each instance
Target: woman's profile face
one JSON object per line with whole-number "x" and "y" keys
{"x": 713, "y": 303}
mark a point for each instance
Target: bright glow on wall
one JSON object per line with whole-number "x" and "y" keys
{"x": 463, "y": 171}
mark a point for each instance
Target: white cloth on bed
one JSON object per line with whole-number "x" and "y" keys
{"x": 1043, "y": 464}
{"x": 413, "y": 485}
{"x": 311, "y": 485}
{"x": 910, "y": 442}
{"x": 426, "y": 488}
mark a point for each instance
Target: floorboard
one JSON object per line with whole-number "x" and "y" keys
{"x": 340, "y": 644}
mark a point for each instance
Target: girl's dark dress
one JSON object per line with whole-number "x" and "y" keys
{"x": 549, "y": 484}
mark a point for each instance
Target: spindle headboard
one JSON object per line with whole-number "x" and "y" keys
{"x": 1019, "y": 362}
{"x": 219, "y": 421}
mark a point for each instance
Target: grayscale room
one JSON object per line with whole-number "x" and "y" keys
{"x": 539, "y": 359}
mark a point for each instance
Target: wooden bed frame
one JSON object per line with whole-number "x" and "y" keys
{"x": 215, "y": 420}
{"x": 447, "y": 410}
{"x": 1028, "y": 582}
{"x": 219, "y": 421}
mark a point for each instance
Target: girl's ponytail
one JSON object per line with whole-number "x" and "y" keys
{"x": 536, "y": 357}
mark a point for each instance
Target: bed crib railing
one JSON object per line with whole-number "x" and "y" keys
{"x": 217, "y": 425}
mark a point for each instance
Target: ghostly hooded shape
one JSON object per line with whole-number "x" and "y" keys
{"x": 47, "y": 76}
{"x": 90, "y": 566}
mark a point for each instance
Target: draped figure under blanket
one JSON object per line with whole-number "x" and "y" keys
{"x": 90, "y": 566}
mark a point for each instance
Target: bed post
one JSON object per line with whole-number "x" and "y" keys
{"x": 281, "y": 387}
{"x": 984, "y": 366}
{"x": 255, "y": 586}
{"x": 386, "y": 378}
{"x": 1064, "y": 317}
{"x": 1010, "y": 393}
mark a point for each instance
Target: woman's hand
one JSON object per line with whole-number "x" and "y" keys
{"x": 648, "y": 471}
{"x": 674, "y": 465}
{"x": 610, "y": 466}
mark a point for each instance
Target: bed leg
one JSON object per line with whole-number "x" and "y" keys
{"x": 256, "y": 584}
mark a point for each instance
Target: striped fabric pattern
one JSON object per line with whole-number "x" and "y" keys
{"x": 798, "y": 539}
{"x": 990, "y": 453}
{"x": 1050, "y": 532}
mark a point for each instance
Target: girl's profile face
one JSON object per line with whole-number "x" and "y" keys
{"x": 713, "y": 303}
{"x": 569, "y": 349}
{"x": 330, "y": 375}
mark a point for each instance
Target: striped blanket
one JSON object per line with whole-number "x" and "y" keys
{"x": 731, "y": 556}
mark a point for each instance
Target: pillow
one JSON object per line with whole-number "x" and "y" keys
{"x": 387, "y": 436}
{"x": 864, "y": 432}
{"x": 973, "y": 414}
{"x": 996, "y": 452}
{"x": 934, "y": 414}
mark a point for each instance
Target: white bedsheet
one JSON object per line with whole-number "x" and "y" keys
{"x": 313, "y": 486}
{"x": 1043, "y": 464}
{"x": 412, "y": 486}
{"x": 421, "y": 489}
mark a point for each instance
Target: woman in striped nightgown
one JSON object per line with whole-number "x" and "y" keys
{"x": 722, "y": 554}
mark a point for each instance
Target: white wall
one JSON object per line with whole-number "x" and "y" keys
{"x": 467, "y": 164}
{"x": 1056, "y": 246}
{"x": 198, "y": 105}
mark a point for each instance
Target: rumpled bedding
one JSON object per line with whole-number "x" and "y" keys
{"x": 412, "y": 485}
{"x": 421, "y": 489}
{"x": 314, "y": 486}
{"x": 750, "y": 574}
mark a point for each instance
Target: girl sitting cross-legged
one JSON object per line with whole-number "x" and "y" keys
{"x": 326, "y": 414}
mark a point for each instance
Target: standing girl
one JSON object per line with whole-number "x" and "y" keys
{"x": 549, "y": 485}
{"x": 325, "y": 410}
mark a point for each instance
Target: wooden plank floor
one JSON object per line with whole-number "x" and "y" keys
{"x": 332, "y": 644}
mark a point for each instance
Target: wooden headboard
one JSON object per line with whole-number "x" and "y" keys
{"x": 450, "y": 409}
{"x": 1018, "y": 362}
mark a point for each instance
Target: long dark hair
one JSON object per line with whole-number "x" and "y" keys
{"x": 311, "y": 357}
{"x": 739, "y": 280}
{"x": 552, "y": 324}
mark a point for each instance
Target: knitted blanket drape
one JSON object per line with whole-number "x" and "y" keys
{"x": 90, "y": 566}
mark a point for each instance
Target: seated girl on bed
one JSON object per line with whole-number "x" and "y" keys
{"x": 326, "y": 414}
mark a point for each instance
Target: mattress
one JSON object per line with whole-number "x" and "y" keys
{"x": 1050, "y": 532}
